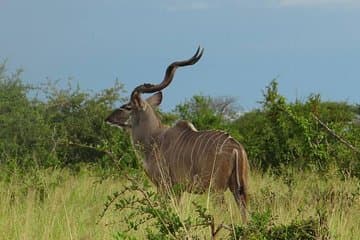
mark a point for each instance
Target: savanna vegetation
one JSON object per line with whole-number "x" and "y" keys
{"x": 66, "y": 174}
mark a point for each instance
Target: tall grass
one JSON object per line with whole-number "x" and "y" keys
{"x": 57, "y": 204}
{"x": 334, "y": 198}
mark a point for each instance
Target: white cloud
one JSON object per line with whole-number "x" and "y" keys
{"x": 309, "y": 3}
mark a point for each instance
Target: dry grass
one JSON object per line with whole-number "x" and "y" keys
{"x": 60, "y": 205}
{"x": 307, "y": 194}
{"x": 63, "y": 207}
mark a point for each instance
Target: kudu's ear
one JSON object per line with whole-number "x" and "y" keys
{"x": 136, "y": 100}
{"x": 155, "y": 99}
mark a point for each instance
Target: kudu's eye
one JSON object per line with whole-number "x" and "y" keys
{"x": 128, "y": 108}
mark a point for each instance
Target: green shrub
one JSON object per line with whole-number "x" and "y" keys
{"x": 313, "y": 134}
{"x": 48, "y": 126}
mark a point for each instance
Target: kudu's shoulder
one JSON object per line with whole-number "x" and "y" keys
{"x": 185, "y": 125}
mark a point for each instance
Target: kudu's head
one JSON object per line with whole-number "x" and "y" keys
{"x": 138, "y": 112}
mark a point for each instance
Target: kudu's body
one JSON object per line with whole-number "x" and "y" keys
{"x": 180, "y": 155}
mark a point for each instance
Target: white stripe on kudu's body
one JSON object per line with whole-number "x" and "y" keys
{"x": 182, "y": 155}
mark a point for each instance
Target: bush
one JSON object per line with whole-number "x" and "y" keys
{"x": 313, "y": 134}
{"x": 208, "y": 113}
{"x": 46, "y": 126}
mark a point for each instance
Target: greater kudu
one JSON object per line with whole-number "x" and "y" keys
{"x": 196, "y": 160}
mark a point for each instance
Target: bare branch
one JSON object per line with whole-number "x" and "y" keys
{"x": 332, "y": 132}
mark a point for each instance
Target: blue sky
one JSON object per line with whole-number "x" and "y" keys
{"x": 311, "y": 46}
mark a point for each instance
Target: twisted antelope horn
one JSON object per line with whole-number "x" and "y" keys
{"x": 169, "y": 75}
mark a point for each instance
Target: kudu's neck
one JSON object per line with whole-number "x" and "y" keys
{"x": 146, "y": 128}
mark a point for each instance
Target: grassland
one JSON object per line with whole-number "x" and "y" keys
{"x": 57, "y": 204}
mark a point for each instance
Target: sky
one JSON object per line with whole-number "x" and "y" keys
{"x": 309, "y": 46}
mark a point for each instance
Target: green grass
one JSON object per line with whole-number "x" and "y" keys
{"x": 59, "y": 205}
